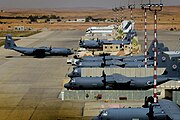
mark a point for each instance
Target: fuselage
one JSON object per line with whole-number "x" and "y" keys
{"x": 43, "y": 51}
{"x": 100, "y": 63}
{"x": 99, "y": 43}
{"x": 77, "y": 70}
{"x": 121, "y": 58}
{"x": 114, "y": 82}
{"x": 123, "y": 114}
{"x": 132, "y": 114}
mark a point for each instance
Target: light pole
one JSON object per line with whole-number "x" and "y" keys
{"x": 131, "y": 7}
{"x": 121, "y": 8}
{"x": 145, "y": 7}
{"x": 115, "y": 10}
{"x": 155, "y": 8}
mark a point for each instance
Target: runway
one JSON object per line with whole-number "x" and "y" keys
{"x": 29, "y": 87}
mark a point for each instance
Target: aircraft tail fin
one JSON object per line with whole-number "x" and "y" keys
{"x": 150, "y": 51}
{"x": 173, "y": 66}
{"x": 128, "y": 36}
{"x": 9, "y": 43}
{"x": 161, "y": 58}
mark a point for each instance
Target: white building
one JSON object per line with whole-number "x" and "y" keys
{"x": 19, "y": 28}
{"x": 100, "y": 30}
{"x": 81, "y": 20}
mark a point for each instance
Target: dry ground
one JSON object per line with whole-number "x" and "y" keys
{"x": 168, "y": 18}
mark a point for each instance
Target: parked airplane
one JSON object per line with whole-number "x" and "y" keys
{"x": 76, "y": 72}
{"x": 150, "y": 55}
{"x": 37, "y": 52}
{"x": 91, "y": 44}
{"x": 99, "y": 30}
{"x": 161, "y": 63}
{"x": 102, "y": 63}
{"x": 163, "y": 110}
{"x": 121, "y": 82}
{"x": 95, "y": 44}
{"x": 124, "y": 64}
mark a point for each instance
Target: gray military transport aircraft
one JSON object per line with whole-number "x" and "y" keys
{"x": 150, "y": 55}
{"x": 163, "y": 110}
{"x": 95, "y": 44}
{"x": 121, "y": 82}
{"x": 126, "y": 63}
{"x": 36, "y": 52}
{"x": 161, "y": 63}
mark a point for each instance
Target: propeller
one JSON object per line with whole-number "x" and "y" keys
{"x": 50, "y": 48}
{"x": 93, "y": 52}
{"x": 80, "y": 42}
{"x": 151, "y": 112}
{"x": 104, "y": 61}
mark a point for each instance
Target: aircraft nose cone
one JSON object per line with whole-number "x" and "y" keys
{"x": 66, "y": 85}
{"x": 77, "y": 62}
{"x": 70, "y": 75}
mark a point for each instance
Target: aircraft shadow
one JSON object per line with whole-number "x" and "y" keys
{"x": 22, "y": 56}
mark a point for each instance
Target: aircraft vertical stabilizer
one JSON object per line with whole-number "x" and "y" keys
{"x": 173, "y": 66}
{"x": 9, "y": 43}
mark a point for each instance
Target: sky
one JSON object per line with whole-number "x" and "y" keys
{"x": 76, "y": 3}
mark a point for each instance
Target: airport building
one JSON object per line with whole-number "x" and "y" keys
{"x": 19, "y": 28}
{"x": 112, "y": 47}
{"x": 81, "y": 20}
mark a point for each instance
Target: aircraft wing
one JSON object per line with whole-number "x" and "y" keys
{"x": 117, "y": 79}
{"x": 170, "y": 108}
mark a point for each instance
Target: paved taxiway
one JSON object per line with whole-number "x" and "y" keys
{"x": 29, "y": 87}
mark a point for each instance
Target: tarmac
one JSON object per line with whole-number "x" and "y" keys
{"x": 29, "y": 87}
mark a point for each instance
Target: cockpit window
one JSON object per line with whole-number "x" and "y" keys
{"x": 103, "y": 113}
{"x": 73, "y": 81}
{"x": 100, "y": 113}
